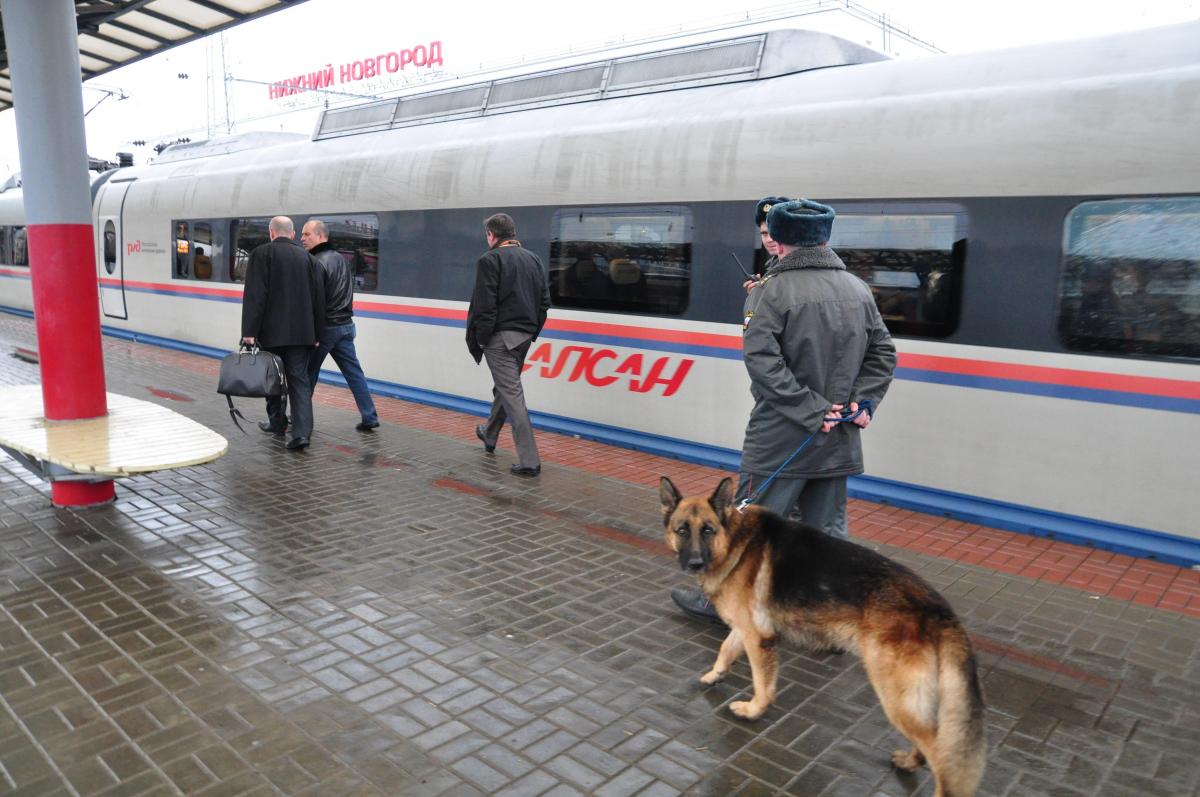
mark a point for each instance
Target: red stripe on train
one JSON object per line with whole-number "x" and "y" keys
{"x": 1147, "y": 385}
{"x": 1097, "y": 380}
{"x": 182, "y": 290}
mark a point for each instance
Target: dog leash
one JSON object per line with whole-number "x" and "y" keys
{"x": 847, "y": 416}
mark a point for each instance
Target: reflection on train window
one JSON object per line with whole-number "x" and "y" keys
{"x": 13, "y": 248}
{"x": 181, "y": 250}
{"x": 110, "y": 247}
{"x": 913, "y": 263}
{"x": 356, "y": 237}
{"x": 1131, "y": 277}
{"x": 202, "y": 250}
{"x": 633, "y": 259}
{"x": 246, "y": 234}
{"x": 6, "y": 246}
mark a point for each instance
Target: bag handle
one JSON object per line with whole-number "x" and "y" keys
{"x": 248, "y": 348}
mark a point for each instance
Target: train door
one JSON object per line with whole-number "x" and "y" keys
{"x": 110, "y": 249}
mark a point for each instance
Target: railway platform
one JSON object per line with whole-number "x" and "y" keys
{"x": 393, "y": 613}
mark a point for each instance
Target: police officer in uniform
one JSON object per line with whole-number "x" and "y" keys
{"x": 760, "y": 221}
{"x": 813, "y": 344}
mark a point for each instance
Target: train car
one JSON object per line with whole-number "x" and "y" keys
{"x": 1028, "y": 219}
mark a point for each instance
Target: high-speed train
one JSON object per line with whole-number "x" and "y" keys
{"x": 1029, "y": 221}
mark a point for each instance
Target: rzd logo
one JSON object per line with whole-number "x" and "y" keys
{"x": 136, "y": 246}
{"x": 600, "y": 368}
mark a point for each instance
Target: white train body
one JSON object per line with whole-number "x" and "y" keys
{"x": 998, "y": 421}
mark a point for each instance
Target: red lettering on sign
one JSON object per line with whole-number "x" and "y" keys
{"x": 592, "y": 365}
{"x": 540, "y": 355}
{"x": 422, "y": 55}
{"x": 655, "y": 377}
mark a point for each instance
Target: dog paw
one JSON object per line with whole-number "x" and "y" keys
{"x": 907, "y": 760}
{"x": 746, "y": 709}
{"x": 711, "y": 677}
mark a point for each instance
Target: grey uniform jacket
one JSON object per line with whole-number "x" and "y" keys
{"x": 812, "y": 337}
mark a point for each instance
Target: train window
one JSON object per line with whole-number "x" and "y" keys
{"x": 110, "y": 247}
{"x": 356, "y": 237}
{"x": 913, "y": 263}
{"x": 246, "y": 234}
{"x": 202, "y": 250}
{"x": 632, "y": 259}
{"x": 181, "y": 249}
{"x": 5, "y": 246}
{"x": 1130, "y": 280}
{"x": 20, "y": 248}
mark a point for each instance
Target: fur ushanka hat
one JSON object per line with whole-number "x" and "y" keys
{"x": 800, "y": 222}
{"x": 764, "y": 207}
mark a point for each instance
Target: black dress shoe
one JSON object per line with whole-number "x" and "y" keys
{"x": 366, "y": 427}
{"x": 268, "y": 428}
{"x": 479, "y": 433}
{"x": 694, "y": 603}
{"x": 297, "y": 443}
{"x": 528, "y": 473}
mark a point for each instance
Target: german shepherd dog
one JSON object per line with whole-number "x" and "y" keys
{"x": 769, "y": 578}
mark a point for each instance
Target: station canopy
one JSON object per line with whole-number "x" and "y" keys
{"x": 113, "y": 33}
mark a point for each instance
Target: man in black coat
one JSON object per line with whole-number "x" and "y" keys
{"x": 283, "y": 310}
{"x": 508, "y": 310}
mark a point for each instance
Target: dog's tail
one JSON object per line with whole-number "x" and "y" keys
{"x": 961, "y": 747}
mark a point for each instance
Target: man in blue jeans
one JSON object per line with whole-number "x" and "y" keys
{"x": 338, "y": 338}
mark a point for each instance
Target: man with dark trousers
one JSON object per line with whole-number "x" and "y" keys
{"x": 338, "y": 338}
{"x": 507, "y": 312}
{"x": 283, "y": 311}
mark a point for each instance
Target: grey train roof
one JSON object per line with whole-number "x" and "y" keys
{"x": 1049, "y": 119}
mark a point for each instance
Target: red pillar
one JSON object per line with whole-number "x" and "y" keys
{"x": 43, "y": 55}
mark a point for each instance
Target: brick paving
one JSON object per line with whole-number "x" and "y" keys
{"x": 395, "y": 614}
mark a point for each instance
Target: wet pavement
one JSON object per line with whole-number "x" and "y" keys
{"x": 394, "y": 613}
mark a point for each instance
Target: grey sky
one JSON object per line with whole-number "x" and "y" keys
{"x": 320, "y": 32}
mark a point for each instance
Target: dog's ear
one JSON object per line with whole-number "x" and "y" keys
{"x": 722, "y": 497}
{"x": 668, "y": 495}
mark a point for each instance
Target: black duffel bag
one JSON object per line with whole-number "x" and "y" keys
{"x": 252, "y": 373}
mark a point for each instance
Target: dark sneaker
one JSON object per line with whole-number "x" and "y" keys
{"x": 529, "y": 473}
{"x": 366, "y": 427}
{"x": 491, "y": 449}
{"x": 269, "y": 429}
{"x": 694, "y": 603}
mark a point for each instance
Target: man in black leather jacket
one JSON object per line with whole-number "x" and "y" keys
{"x": 338, "y": 338}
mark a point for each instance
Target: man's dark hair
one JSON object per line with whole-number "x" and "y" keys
{"x": 502, "y": 226}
